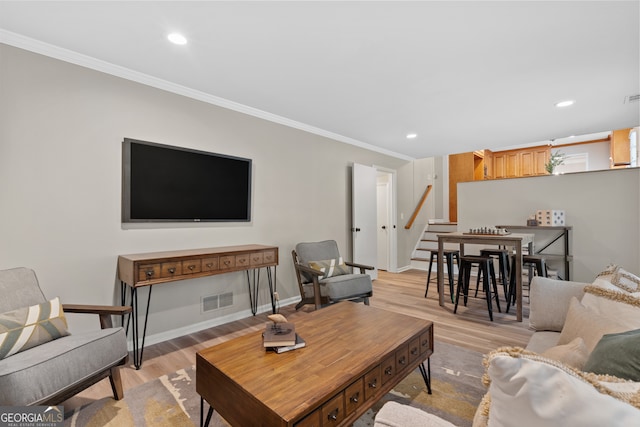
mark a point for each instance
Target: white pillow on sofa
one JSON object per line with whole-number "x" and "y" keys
{"x": 529, "y": 390}
{"x": 613, "y": 302}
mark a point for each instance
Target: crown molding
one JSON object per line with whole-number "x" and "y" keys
{"x": 66, "y": 55}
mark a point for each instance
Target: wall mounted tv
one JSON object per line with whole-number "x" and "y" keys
{"x": 163, "y": 183}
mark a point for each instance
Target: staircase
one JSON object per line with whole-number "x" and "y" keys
{"x": 429, "y": 241}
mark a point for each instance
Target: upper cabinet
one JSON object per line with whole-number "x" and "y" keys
{"x": 519, "y": 163}
{"x": 620, "y": 148}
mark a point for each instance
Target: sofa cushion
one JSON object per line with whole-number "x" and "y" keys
{"x": 65, "y": 363}
{"x": 27, "y": 327}
{"x": 617, "y": 355}
{"x": 585, "y": 323}
{"x": 529, "y": 390}
{"x": 330, "y": 267}
{"x": 549, "y": 301}
{"x": 573, "y": 354}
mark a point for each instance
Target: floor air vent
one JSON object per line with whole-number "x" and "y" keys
{"x": 213, "y": 302}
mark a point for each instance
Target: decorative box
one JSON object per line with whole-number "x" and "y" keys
{"x": 550, "y": 217}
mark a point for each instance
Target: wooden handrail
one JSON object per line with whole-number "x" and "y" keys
{"x": 418, "y": 207}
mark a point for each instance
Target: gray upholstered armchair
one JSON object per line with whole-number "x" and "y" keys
{"x": 40, "y": 362}
{"x": 323, "y": 279}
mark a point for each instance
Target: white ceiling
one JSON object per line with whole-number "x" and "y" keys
{"x": 462, "y": 75}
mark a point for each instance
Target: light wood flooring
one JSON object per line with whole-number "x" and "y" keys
{"x": 398, "y": 292}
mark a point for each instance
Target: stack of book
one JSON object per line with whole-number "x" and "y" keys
{"x": 281, "y": 337}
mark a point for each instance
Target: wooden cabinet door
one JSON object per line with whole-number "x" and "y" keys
{"x": 532, "y": 162}
{"x": 512, "y": 165}
{"x": 620, "y": 148}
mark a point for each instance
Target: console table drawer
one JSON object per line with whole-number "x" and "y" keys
{"x": 256, "y": 258}
{"x": 171, "y": 269}
{"x": 191, "y": 266}
{"x": 148, "y": 272}
{"x": 269, "y": 257}
{"x": 210, "y": 264}
{"x": 242, "y": 261}
{"x": 227, "y": 262}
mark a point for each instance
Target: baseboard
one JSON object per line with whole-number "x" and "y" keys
{"x": 405, "y": 268}
{"x": 196, "y": 327}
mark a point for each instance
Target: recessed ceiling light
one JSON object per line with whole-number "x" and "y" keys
{"x": 412, "y": 135}
{"x": 565, "y": 103}
{"x": 177, "y": 38}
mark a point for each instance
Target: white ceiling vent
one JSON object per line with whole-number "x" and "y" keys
{"x": 632, "y": 98}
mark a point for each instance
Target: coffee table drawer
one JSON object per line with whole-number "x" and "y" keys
{"x": 426, "y": 343}
{"x": 333, "y": 411}
{"x": 372, "y": 383}
{"x": 354, "y": 396}
{"x": 388, "y": 368}
{"x": 414, "y": 350}
{"x": 311, "y": 420}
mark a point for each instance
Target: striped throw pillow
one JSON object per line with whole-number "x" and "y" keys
{"x": 330, "y": 267}
{"x": 28, "y": 327}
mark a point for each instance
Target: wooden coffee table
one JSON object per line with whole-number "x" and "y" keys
{"x": 354, "y": 355}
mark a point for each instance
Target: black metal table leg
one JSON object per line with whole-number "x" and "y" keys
{"x": 209, "y": 414}
{"x": 138, "y": 347}
{"x": 426, "y": 374}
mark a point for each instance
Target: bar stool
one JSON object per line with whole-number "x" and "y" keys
{"x": 503, "y": 265}
{"x": 449, "y": 255}
{"x": 533, "y": 262}
{"x": 485, "y": 268}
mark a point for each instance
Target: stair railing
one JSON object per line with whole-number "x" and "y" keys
{"x": 418, "y": 207}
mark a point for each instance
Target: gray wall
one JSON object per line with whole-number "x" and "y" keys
{"x": 603, "y": 207}
{"x": 60, "y": 182}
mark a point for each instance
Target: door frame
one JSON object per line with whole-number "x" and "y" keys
{"x": 392, "y": 250}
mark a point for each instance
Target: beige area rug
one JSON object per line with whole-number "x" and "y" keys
{"x": 172, "y": 400}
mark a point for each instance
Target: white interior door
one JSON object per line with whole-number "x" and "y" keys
{"x": 364, "y": 213}
{"x": 384, "y": 223}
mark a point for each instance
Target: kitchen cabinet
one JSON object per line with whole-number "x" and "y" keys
{"x": 620, "y": 148}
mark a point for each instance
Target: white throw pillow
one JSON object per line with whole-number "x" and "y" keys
{"x": 528, "y": 390}
{"x": 616, "y": 304}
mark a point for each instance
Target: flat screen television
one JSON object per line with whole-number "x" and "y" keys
{"x": 163, "y": 183}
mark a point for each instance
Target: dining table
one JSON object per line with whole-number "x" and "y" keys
{"x": 513, "y": 240}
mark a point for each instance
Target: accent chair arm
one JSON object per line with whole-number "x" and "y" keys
{"x": 362, "y": 267}
{"x": 104, "y": 311}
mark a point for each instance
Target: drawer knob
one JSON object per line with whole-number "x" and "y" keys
{"x": 149, "y": 273}
{"x": 414, "y": 351}
{"x": 191, "y": 267}
{"x": 227, "y": 262}
{"x": 210, "y": 265}
{"x": 172, "y": 270}
{"x": 402, "y": 360}
{"x": 373, "y": 384}
{"x": 388, "y": 370}
{"x": 355, "y": 397}
{"x": 333, "y": 415}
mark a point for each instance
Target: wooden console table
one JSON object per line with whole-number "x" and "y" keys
{"x": 148, "y": 269}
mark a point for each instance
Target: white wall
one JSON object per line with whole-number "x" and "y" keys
{"x": 61, "y": 128}
{"x": 603, "y": 207}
